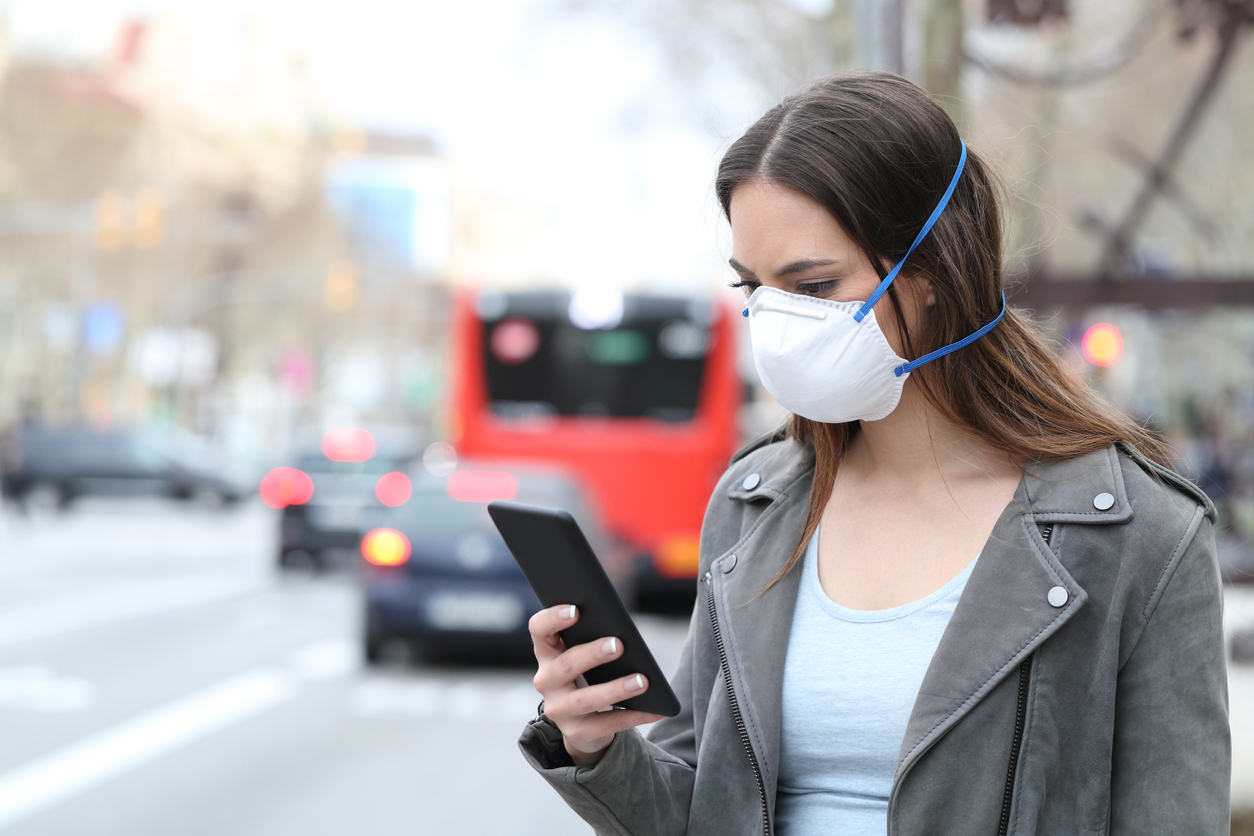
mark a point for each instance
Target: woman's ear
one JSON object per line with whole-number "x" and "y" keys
{"x": 929, "y": 295}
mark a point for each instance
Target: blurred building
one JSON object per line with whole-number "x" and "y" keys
{"x": 178, "y": 249}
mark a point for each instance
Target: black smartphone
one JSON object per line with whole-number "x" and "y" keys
{"x": 561, "y": 567}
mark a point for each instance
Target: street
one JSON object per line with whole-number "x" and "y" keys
{"x": 157, "y": 676}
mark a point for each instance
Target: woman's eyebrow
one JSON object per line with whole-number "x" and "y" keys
{"x": 799, "y": 266}
{"x": 804, "y": 264}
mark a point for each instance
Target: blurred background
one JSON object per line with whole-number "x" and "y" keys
{"x": 289, "y": 291}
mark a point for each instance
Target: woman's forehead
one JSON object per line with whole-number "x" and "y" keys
{"x": 771, "y": 222}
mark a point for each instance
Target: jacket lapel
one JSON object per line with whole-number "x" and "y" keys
{"x": 1004, "y": 612}
{"x": 756, "y": 624}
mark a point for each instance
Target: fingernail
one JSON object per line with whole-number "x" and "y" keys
{"x": 609, "y": 647}
{"x": 568, "y": 612}
{"x": 635, "y": 683}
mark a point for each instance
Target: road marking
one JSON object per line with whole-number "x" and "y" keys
{"x": 330, "y": 659}
{"x": 39, "y": 688}
{"x": 467, "y": 701}
{"x": 50, "y": 779}
{"x": 102, "y": 607}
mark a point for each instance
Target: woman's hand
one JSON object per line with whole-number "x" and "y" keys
{"x": 583, "y": 712}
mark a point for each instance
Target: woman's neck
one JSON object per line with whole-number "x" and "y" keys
{"x": 915, "y": 444}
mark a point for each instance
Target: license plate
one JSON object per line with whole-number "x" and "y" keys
{"x": 334, "y": 517}
{"x": 487, "y": 612}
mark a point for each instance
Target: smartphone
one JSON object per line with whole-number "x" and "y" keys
{"x": 561, "y": 567}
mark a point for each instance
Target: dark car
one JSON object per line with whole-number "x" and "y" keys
{"x": 59, "y": 465}
{"x": 439, "y": 576}
{"x": 324, "y": 492}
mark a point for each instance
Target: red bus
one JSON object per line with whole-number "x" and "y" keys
{"x": 637, "y": 395}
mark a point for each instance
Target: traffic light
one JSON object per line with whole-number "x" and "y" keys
{"x": 149, "y": 219}
{"x": 1102, "y": 344}
{"x": 122, "y": 220}
{"x": 339, "y": 287}
{"x": 112, "y": 224}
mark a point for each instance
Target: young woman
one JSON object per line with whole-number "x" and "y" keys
{"x": 959, "y": 595}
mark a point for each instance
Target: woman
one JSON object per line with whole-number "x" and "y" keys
{"x": 960, "y": 595}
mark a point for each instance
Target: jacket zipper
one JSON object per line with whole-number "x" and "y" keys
{"x": 1021, "y": 716}
{"x": 741, "y": 729}
{"x": 1025, "y": 673}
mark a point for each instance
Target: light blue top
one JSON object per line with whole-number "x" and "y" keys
{"x": 850, "y": 679}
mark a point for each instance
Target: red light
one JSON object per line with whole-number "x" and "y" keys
{"x": 1102, "y": 344}
{"x": 515, "y": 341}
{"x": 348, "y": 445}
{"x": 393, "y": 489}
{"x": 285, "y": 486}
{"x": 677, "y": 556}
{"x": 481, "y": 485}
{"x": 385, "y": 547}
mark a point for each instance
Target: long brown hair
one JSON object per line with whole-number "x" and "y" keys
{"x": 878, "y": 153}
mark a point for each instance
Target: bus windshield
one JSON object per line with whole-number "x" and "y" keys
{"x": 651, "y": 365}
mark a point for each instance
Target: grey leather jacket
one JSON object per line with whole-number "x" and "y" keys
{"x": 1104, "y": 715}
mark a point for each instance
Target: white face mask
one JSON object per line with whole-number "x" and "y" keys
{"x": 830, "y": 361}
{"x": 818, "y": 362}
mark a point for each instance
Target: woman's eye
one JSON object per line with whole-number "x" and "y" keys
{"x": 748, "y": 286}
{"x": 817, "y": 288}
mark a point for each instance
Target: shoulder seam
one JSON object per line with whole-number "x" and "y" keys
{"x": 1169, "y": 571}
{"x": 1177, "y": 481}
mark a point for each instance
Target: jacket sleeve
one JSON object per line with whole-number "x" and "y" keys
{"x": 1172, "y": 758}
{"x": 639, "y": 787}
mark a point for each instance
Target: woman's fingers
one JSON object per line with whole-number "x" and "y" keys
{"x": 544, "y": 627}
{"x": 595, "y": 699}
{"x": 560, "y": 672}
{"x": 584, "y": 713}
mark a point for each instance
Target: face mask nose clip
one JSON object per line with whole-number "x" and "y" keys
{"x": 767, "y": 304}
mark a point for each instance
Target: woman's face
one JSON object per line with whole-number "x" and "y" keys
{"x": 785, "y": 239}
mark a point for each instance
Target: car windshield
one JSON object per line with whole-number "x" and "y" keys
{"x": 317, "y": 464}
{"x": 107, "y": 449}
{"x": 432, "y": 511}
{"x": 650, "y": 365}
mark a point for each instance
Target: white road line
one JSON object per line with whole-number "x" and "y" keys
{"x": 329, "y": 659}
{"x": 467, "y": 701}
{"x": 39, "y": 688}
{"x": 110, "y": 605}
{"x": 50, "y": 779}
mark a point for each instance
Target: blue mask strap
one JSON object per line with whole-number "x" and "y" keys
{"x": 906, "y": 368}
{"x": 931, "y": 221}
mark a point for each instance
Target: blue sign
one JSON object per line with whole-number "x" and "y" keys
{"x": 104, "y": 325}
{"x": 397, "y": 210}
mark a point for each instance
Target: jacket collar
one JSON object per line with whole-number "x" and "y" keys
{"x": 1071, "y": 490}
{"x": 1057, "y": 491}
{"x": 1003, "y": 615}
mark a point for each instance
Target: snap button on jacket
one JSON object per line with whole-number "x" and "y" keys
{"x": 1079, "y": 687}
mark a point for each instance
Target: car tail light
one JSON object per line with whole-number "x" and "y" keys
{"x": 393, "y": 489}
{"x": 481, "y": 485}
{"x": 286, "y": 486}
{"x": 677, "y": 557}
{"x": 348, "y": 445}
{"x": 385, "y": 547}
